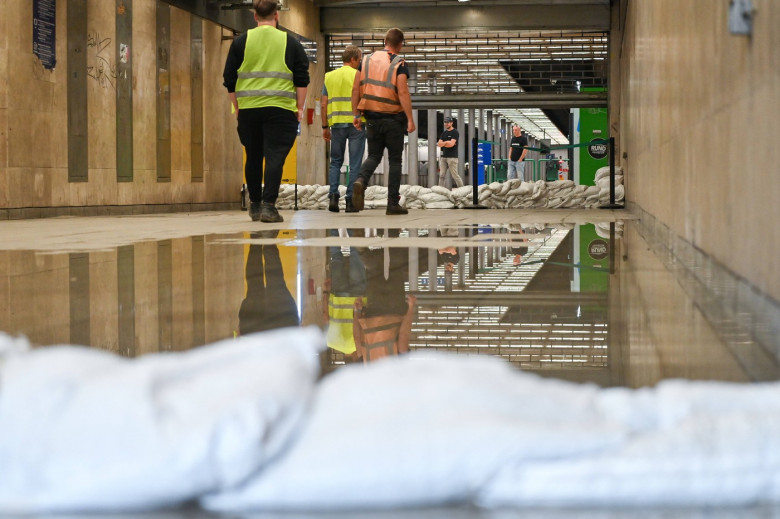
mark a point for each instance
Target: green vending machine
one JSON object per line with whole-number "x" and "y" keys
{"x": 592, "y": 254}
{"x": 593, "y": 126}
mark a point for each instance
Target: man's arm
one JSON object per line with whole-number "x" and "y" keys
{"x": 405, "y": 332}
{"x": 525, "y": 151}
{"x": 406, "y": 101}
{"x": 356, "y": 101}
{"x": 324, "y": 112}
{"x": 300, "y": 94}
{"x": 234, "y": 102}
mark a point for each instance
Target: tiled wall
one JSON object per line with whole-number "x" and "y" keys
{"x": 698, "y": 126}
{"x": 34, "y": 117}
{"x": 3, "y": 104}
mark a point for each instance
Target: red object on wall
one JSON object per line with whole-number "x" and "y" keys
{"x": 309, "y": 115}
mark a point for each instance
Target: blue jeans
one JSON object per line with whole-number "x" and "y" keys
{"x": 338, "y": 144}
{"x": 516, "y": 170}
{"x": 347, "y": 276}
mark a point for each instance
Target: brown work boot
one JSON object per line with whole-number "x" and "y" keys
{"x": 254, "y": 211}
{"x": 269, "y": 214}
{"x": 358, "y": 188}
{"x": 333, "y": 206}
{"x": 396, "y": 208}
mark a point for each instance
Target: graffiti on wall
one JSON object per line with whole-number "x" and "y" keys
{"x": 99, "y": 64}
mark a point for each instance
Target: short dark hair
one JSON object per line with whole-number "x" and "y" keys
{"x": 265, "y": 8}
{"x": 350, "y": 51}
{"x": 394, "y": 37}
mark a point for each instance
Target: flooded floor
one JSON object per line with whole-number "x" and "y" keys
{"x": 578, "y": 295}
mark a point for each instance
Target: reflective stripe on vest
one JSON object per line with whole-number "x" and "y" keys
{"x": 263, "y": 77}
{"x": 339, "y": 86}
{"x": 379, "y": 83}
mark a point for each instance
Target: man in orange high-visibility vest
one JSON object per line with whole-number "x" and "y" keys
{"x": 381, "y": 94}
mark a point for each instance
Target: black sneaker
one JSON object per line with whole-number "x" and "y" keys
{"x": 396, "y": 209}
{"x": 254, "y": 211}
{"x": 269, "y": 214}
{"x": 349, "y": 207}
{"x": 333, "y": 206}
{"x": 357, "y": 194}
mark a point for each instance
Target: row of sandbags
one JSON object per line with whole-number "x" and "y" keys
{"x": 248, "y": 425}
{"x": 497, "y": 195}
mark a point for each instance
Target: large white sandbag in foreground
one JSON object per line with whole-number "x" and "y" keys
{"x": 82, "y": 429}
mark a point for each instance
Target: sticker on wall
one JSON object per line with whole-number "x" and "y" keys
{"x": 598, "y": 150}
{"x": 124, "y": 53}
{"x": 598, "y": 249}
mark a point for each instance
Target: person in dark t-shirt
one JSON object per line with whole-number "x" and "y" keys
{"x": 517, "y": 152}
{"x": 448, "y": 142}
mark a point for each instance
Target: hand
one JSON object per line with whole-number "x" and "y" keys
{"x": 300, "y": 114}
{"x": 357, "y": 123}
{"x": 326, "y": 134}
{"x": 410, "y": 127}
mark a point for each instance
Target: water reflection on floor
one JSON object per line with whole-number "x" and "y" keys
{"x": 584, "y": 302}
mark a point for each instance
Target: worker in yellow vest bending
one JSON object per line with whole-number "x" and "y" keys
{"x": 338, "y": 129}
{"x": 266, "y": 75}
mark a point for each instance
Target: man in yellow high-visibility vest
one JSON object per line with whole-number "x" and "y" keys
{"x": 266, "y": 75}
{"x": 337, "y": 126}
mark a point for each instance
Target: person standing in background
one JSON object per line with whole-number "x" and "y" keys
{"x": 381, "y": 94}
{"x": 448, "y": 142}
{"x": 517, "y": 152}
{"x": 266, "y": 75}
{"x": 337, "y": 126}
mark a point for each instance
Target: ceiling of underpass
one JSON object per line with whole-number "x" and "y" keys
{"x": 528, "y": 60}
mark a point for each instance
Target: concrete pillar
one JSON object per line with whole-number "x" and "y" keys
{"x": 414, "y": 264}
{"x": 413, "y": 155}
{"x": 461, "y": 145}
{"x": 412, "y": 151}
{"x": 432, "y": 270}
{"x": 488, "y": 125}
{"x": 469, "y": 151}
{"x": 433, "y": 171}
{"x": 504, "y": 138}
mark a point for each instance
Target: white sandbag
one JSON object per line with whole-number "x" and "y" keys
{"x": 442, "y": 191}
{"x": 463, "y": 191}
{"x": 443, "y": 204}
{"x": 604, "y": 172}
{"x": 321, "y": 191}
{"x": 692, "y": 444}
{"x": 560, "y": 184}
{"x": 83, "y": 429}
{"x": 420, "y": 430}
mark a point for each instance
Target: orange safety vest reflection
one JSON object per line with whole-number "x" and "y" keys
{"x": 379, "y": 83}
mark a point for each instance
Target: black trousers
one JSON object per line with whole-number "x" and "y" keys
{"x": 266, "y": 133}
{"x": 384, "y": 133}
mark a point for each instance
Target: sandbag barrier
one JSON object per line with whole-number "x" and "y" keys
{"x": 511, "y": 194}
